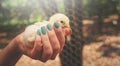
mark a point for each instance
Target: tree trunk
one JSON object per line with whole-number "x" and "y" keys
{"x": 72, "y": 52}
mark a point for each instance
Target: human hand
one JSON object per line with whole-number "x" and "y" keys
{"x": 47, "y": 44}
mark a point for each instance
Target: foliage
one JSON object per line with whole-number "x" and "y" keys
{"x": 14, "y": 12}
{"x": 19, "y": 12}
{"x": 102, "y": 8}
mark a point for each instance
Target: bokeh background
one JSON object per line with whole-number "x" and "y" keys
{"x": 95, "y": 39}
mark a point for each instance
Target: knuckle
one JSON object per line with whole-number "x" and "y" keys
{"x": 52, "y": 35}
{"x": 56, "y": 48}
{"x": 38, "y": 40}
{"x": 45, "y": 38}
{"x": 34, "y": 57}
{"x": 48, "y": 53}
{"x": 58, "y": 31}
{"x": 63, "y": 41}
{"x": 43, "y": 60}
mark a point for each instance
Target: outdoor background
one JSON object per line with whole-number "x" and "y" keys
{"x": 95, "y": 29}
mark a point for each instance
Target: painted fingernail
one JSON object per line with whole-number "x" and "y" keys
{"x": 43, "y": 30}
{"x": 56, "y": 24}
{"x": 49, "y": 27}
{"x": 38, "y": 31}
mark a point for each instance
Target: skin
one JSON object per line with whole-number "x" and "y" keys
{"x": 45, "y": 47}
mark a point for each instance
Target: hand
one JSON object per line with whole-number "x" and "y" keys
{"x": 46, "y": 46}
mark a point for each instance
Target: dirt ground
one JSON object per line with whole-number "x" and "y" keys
{"x": 26, "y": 61}
{"x": 104, "y": 52}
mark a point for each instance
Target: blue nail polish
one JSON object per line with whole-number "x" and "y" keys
{"x": 38, "y": 31}
{"x": 56, "y": 24}
{"x": 43, "y": 29}
{"x": 49, "y": 27}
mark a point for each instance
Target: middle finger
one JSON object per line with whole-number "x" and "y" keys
{"x": 47, "y": 49}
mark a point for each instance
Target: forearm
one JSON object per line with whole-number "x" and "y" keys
{"x": 10, "y": 54}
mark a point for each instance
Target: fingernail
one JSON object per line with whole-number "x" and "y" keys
{"x": 38, "y": 31}
{"x": 49, "y": 27}
{"x": 56, "y": 24}
{"x": 43, "y": 30}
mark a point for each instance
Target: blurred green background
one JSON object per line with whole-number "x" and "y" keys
{"x": 90, "y": 20}
{"x": 21, "y": 12}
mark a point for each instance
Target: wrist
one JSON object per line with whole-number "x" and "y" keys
{"x": 16, "y": 44}
{"x": 11, "y": 51}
